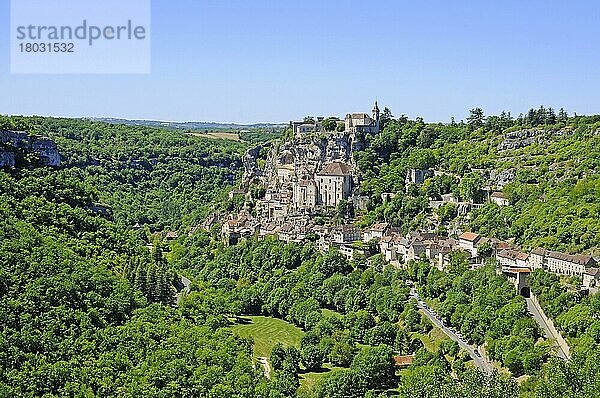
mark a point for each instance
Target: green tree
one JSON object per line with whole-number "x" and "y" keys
{"x": 374, "y": 367}
{"x": 476, "y": 118}
{"x": 278, "y": 356}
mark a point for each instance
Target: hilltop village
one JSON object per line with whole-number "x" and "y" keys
{"x": 308, "y": 178}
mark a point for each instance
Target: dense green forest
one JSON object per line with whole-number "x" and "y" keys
{"x": 86, "y": 309}
{"x": 72, "y": 324}
{"x": 373, "y": 318}
{"x": 147, "y": 176}
{"x": 87, "y": 301}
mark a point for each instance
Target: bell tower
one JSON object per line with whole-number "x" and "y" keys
{"x": 376, "y": 115}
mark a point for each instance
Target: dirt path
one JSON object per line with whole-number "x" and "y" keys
{"x": 263, "y": 361}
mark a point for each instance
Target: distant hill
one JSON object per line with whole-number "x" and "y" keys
{"x": 194, "y": 126}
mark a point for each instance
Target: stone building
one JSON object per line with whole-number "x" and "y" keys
{"x": 536, "y": 258}
{"x": 468, "y": 241}
{"x": 560, "y": 263}
{"x": 334, "y": 183}
{"x": 305, "y": 194}
{"x": 363, "y": 123}
{"x": 377, "y": 232}
{"x": 307, "y": 126}
{"x": 499, "y": 198}
{"x": 591, "y": 277}
{"x": 416, "y": 176}
{"x": 344, "y": 234}
{"x": 512, "y": 259}
{"x": 285, "y": 173}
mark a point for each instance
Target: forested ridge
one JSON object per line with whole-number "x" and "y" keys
{"x": 72, "y": 324}
{"x": 552, "y": 160}
{"x": 72, "y": 321}
{"x": 148, "y": 176}
{"x": 87, "y": 304}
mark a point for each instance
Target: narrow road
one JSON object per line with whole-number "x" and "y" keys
{"x": 478, "y": 360}
{"x": 548, "y": 327}
{"x": 263, "y": 361}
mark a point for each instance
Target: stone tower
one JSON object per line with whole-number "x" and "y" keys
{"x": 376, "y": 114}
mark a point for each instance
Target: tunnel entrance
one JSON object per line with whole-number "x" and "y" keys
{"x": 525, "y": 292}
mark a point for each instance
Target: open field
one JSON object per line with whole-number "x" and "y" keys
{"x": 308, "y": 380}
{"x": 220, "y": 136}
{"x": 266, "y": 332}
{"x": 433, "y": 339}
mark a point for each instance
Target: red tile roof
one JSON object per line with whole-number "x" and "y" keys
{"x": 519, "y": 270}
{"x": 403, "y": 360}
{"x": 469, "y": 236}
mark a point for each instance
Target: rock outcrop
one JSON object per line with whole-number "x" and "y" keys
{"x": 301, "y": 156}
{"x": 252, "y": 170}
{"x": 7, "y": 159}
{"x": 522, "y": 138}
{"x": 504, "y": 177}
{"x": 47, "y": 150}
{"x": 14, "y": 144}
{"x": 519, "y": 139}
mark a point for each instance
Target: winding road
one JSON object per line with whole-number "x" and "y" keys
{"x": 478, "y": 359}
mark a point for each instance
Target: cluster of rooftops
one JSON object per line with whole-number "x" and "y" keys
{"x": 400, "y": 248}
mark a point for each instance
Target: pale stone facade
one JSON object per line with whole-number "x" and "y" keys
{"x": 499, "y": 198}
{"x": 305, "y": 194}
{"x": 363, "y": 123}
{"x": 334, "y": 183}
{"x": 468, "y": 241}
{"x": 416, "y": 176}
{"x": 512, "y": 259}
{"x": 560, "y": 263}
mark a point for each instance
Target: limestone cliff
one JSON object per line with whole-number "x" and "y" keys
{"x": 523, "y": 138}
{"x": 299, "y": 157}
{"x": 7, "y": 158}
{"x": 14, "y": 145}
{"x": 47, "y": 151}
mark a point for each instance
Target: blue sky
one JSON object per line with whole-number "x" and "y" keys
{"x": 273, "y": 61}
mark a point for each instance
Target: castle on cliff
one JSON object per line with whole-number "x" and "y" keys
{"x": 315, "y": 168}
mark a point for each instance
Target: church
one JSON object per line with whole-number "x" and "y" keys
{"x": 354, "y": 123}
{"x": 363, "y": 123}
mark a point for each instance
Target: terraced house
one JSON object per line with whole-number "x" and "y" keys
{"x": 561, "y": 263}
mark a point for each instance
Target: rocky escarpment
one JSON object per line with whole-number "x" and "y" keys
{"x": 503, "y": 178}
{"x": 16, "y": 145}
{"x": 7, "y": 158}
{"x": 522, "y": 138}
{"x": 253, "y": 170}
{"x": 301, "y": 156}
